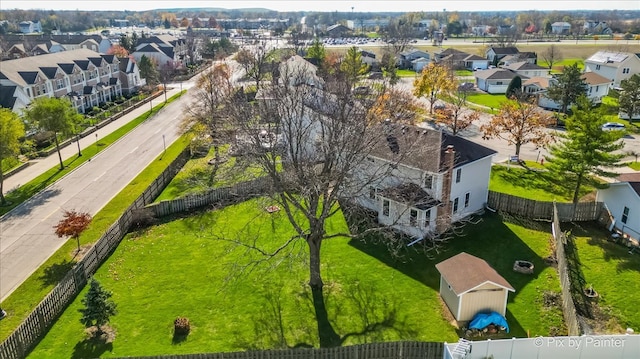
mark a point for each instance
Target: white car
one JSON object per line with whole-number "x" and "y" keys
{"x": 611, "y": 126}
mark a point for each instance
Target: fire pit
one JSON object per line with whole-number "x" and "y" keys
{"x": 521, "y": 266}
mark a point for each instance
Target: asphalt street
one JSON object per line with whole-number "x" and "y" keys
{"x": 27, "y": 237}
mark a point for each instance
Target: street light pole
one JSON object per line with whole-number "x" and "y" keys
{"x": 164, "y": 144}
{"x": 96, "y": 143}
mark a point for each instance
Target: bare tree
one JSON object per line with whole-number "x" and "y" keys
{"x": 551, "y": 55}
{"x": 255, "y": 63}
{"x": 206, "y": 113}
{"x": 455, "y": 115}
{"x": 313, "y": 139}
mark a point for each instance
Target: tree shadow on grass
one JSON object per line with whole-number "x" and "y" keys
{"x": 54, "y": 273}
{"x": 532, "y": 179}
{"x": 91, "y": 348}
{"x": 343, "y": 312}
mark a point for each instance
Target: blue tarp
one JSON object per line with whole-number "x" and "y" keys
{"x": 482, "y": 320}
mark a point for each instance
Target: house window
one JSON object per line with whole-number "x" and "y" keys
{"x": 413, "y": 217}
{"x": 625, "y": 70}
{"x": 455, "y": 205}
{"x": 385, "y": 208}
{"x": 597, "y": 67}
{"x": 427, "y": 218}
{"x": 499, "y": 83}
{"x": 59, "y": 84}
{"x": 466, "y": 199}
{"x": 372, "y": 192}
{"x": 428, "y": 181}
{"x": 458, "y": 175}
{"x": 597, "y": 88}
{"x": 625, "y": 215}
{"x": 590, "y": 90}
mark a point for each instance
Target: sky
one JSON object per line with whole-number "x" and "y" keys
{"x": 329, "y": 5}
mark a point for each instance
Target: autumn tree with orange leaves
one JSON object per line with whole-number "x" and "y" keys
{"x": 435, "y": 81}
{"x": 454, "y": 115}
{"x": 396, "y": 105}
{"x": 72, "y": 225}
{"x": 519, "y": 123}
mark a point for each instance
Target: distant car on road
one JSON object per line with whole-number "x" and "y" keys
{"x": 611, "y": 126}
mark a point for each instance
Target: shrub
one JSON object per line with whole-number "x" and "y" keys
{"x": 181, "y": 326}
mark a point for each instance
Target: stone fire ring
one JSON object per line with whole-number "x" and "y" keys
{"x": 521, "y": 266}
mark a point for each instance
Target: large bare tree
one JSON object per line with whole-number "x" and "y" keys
{"x": 312, "y": 137}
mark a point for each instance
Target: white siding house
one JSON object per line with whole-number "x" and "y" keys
{"x": 615, "y": 66}
{"x": 434, "y": 179}
{"x": 623, "y": 200}
{"x": 494, "y": 80}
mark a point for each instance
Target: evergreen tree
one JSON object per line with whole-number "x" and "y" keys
{"x": 585, "y": 149}
{"x": 317, "y": 52}
{"x": 630, "y": 96}
{"x": 148, "y": 70}
{"x": 514, "y": 90}
{"x": 352, "y": 65}
{"x": 567, "y": 87}
{"x": 98, "y": 307}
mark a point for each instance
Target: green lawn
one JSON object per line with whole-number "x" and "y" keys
{"x": 25, "y": 298}
{"x": 558, "y": 66}
{"x": 488, "y": 100}
{"x": 180, "y": 269}
{"x": 614, "y": 274}
{"x": 195, "y": 176}
{"x": 538, "y": 185}
{"x": 634, "y": 165}
{"x": 29, "y": 189}
{"x": 407, "y": 73}
{"x": 464, "y": 73}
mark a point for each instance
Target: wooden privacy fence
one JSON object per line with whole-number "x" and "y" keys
{"x": 568, "y": 306}
{"x": 233, "y": 194}
{"x": 26, "y": 336}
{"x": 392, "y": 350}
{"x": 541, "y": 210}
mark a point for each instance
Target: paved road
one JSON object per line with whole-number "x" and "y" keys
{"x": 26, "y": 233}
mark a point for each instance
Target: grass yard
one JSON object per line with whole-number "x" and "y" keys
{"x": 614, "y": 274}
{"x": 538, "y": 185}
{"x": 487, "y": 100}
{"x": 179, "y": 269}
{"x": 407, "y": 73}
{"x": 634, "y": 165}
{"x": 25, "y": 298}
{"x": 558, "y": 66}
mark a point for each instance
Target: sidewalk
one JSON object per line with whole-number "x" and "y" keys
{"x": 40, "y": 165}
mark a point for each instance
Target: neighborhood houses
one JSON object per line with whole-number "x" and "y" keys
{"x": 433, "y": 183}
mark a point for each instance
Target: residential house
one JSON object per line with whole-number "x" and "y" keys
{"x": 597, "y": 88}
{"x": 368, "y": 57}
{"x": 164, "y": 49}
{"x": 616, "y": 66}
{"x": 368, "y": 24}
{"x": 481, "y": 30}
{"x": 130, "y": 78}
{"x": 561, "y": 28}
{"x": 622, "y": 198}
{"x": 469, "y": 285}
{"x": 530, "y": 57}
{"x": 405, "y": 57}
{"x": 592, "y": 27}
{"x": 338, "y": 30}
{"x": 494, "y": 80}
{"x": 525, "y": 69}
{"x": 18, "y": 46}
{"x": 434, "y": 179}
{"x": 499, "y": 52}
{"x": 418, "y": 64}
{"x": 506, "y": 30}
{"x": 459, "y": 60}
{"x": 86, "y": 77}
{"x": 30, "y": 27}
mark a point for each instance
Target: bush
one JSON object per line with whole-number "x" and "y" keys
{"x": 181, "y": 326}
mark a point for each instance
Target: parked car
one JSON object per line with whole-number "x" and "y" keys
{"x": 611, "y": 126}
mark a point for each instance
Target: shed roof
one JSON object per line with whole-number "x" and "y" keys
{"x": 464, "y": 272}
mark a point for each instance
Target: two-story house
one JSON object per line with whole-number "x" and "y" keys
{"x": 561, "y": 28}
{"x": 616, "y": 66}
{"x": 164, "y": 49}
{"x": 434, "y": 179}
{"x": 86, "y": 77}
{"x": 499, "y": 52}
{"x": 526, "y": 69}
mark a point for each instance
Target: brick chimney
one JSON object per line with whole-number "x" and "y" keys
{"x": 444, "y": 211}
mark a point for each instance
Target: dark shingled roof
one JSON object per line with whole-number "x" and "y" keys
{"x": 466, "y": 151}
{"x": 50, "y": 72}
{"x": 83, "y": 64}
{"x": 29, "y": 76}
{"x": 463, "y": 272}
{"x": 96, "y": 61}
{"x": 411, "y": 194}
{"x": 67, "y": 68}
{"x": 7, "y": 99}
